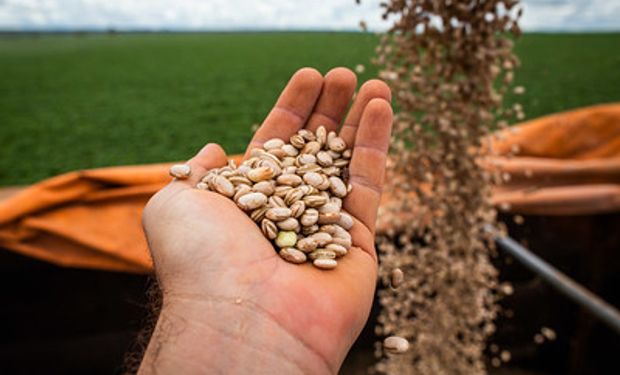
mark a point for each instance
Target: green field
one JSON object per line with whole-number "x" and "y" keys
{"x": 69, "y": 102}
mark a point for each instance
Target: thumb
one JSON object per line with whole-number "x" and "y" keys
{"x": 210, "y": 156}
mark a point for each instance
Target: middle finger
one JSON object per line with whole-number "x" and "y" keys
{"x": 338, "y": 89}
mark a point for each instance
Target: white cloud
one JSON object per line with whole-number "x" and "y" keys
{"x": 268, "y": 14}
{"x": 571, "y": 15}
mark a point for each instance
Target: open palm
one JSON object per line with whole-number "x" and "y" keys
{"x": 205, "y": 249}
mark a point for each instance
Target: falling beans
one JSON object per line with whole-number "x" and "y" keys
{"x": 396, "y": 278}
{"x": 448, "y": 65}
{"x": 395, "y": 345}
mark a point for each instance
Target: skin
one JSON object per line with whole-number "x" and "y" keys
{"x": 230, "y": 303}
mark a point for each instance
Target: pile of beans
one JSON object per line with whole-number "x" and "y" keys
{"x": 294, "y": 192}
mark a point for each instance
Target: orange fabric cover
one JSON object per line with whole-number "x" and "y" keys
{"x": 87, "y": 219}
{"x": 569, "y": 164}
{"x": 566, "y": 163}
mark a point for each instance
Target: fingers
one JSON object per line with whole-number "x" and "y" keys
{"x": 338, "y": 89}
{"x": 211, "y": 156}
{"x": 370, "y": 90}
{"x": 367, "y": 168}
{"x": 292, "y": 109}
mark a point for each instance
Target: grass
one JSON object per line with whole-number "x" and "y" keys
{"x": 71, "y": 102}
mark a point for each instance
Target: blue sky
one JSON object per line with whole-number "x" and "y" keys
{"x": 539, "y": 15}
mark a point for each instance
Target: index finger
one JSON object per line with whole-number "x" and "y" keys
{"x": 367, "y": 168}
{"x": 292, "y": 109}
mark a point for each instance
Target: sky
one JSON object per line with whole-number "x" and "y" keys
{"x": 539, "y": 15}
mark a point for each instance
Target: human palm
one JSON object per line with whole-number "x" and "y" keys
{"x": 205, "y": 248}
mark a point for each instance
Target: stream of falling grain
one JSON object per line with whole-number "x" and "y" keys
{"x": 449, "y": 64}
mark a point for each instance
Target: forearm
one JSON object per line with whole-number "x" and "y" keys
{"x": 227, "y": 337}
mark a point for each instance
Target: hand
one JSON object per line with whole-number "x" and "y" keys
{"x": 230, "y": 303}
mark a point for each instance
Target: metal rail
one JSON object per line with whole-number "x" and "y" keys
{"x": 564, "y": 284}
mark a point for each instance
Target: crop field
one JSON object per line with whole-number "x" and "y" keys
{"x": 82, "y": 101}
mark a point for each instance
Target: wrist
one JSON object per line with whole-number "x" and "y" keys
{"x": 225, "y": 336}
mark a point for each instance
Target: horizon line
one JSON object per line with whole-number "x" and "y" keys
{"x": 129, "y": 30}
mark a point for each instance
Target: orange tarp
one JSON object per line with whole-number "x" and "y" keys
{"x": 568, "y": 164}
